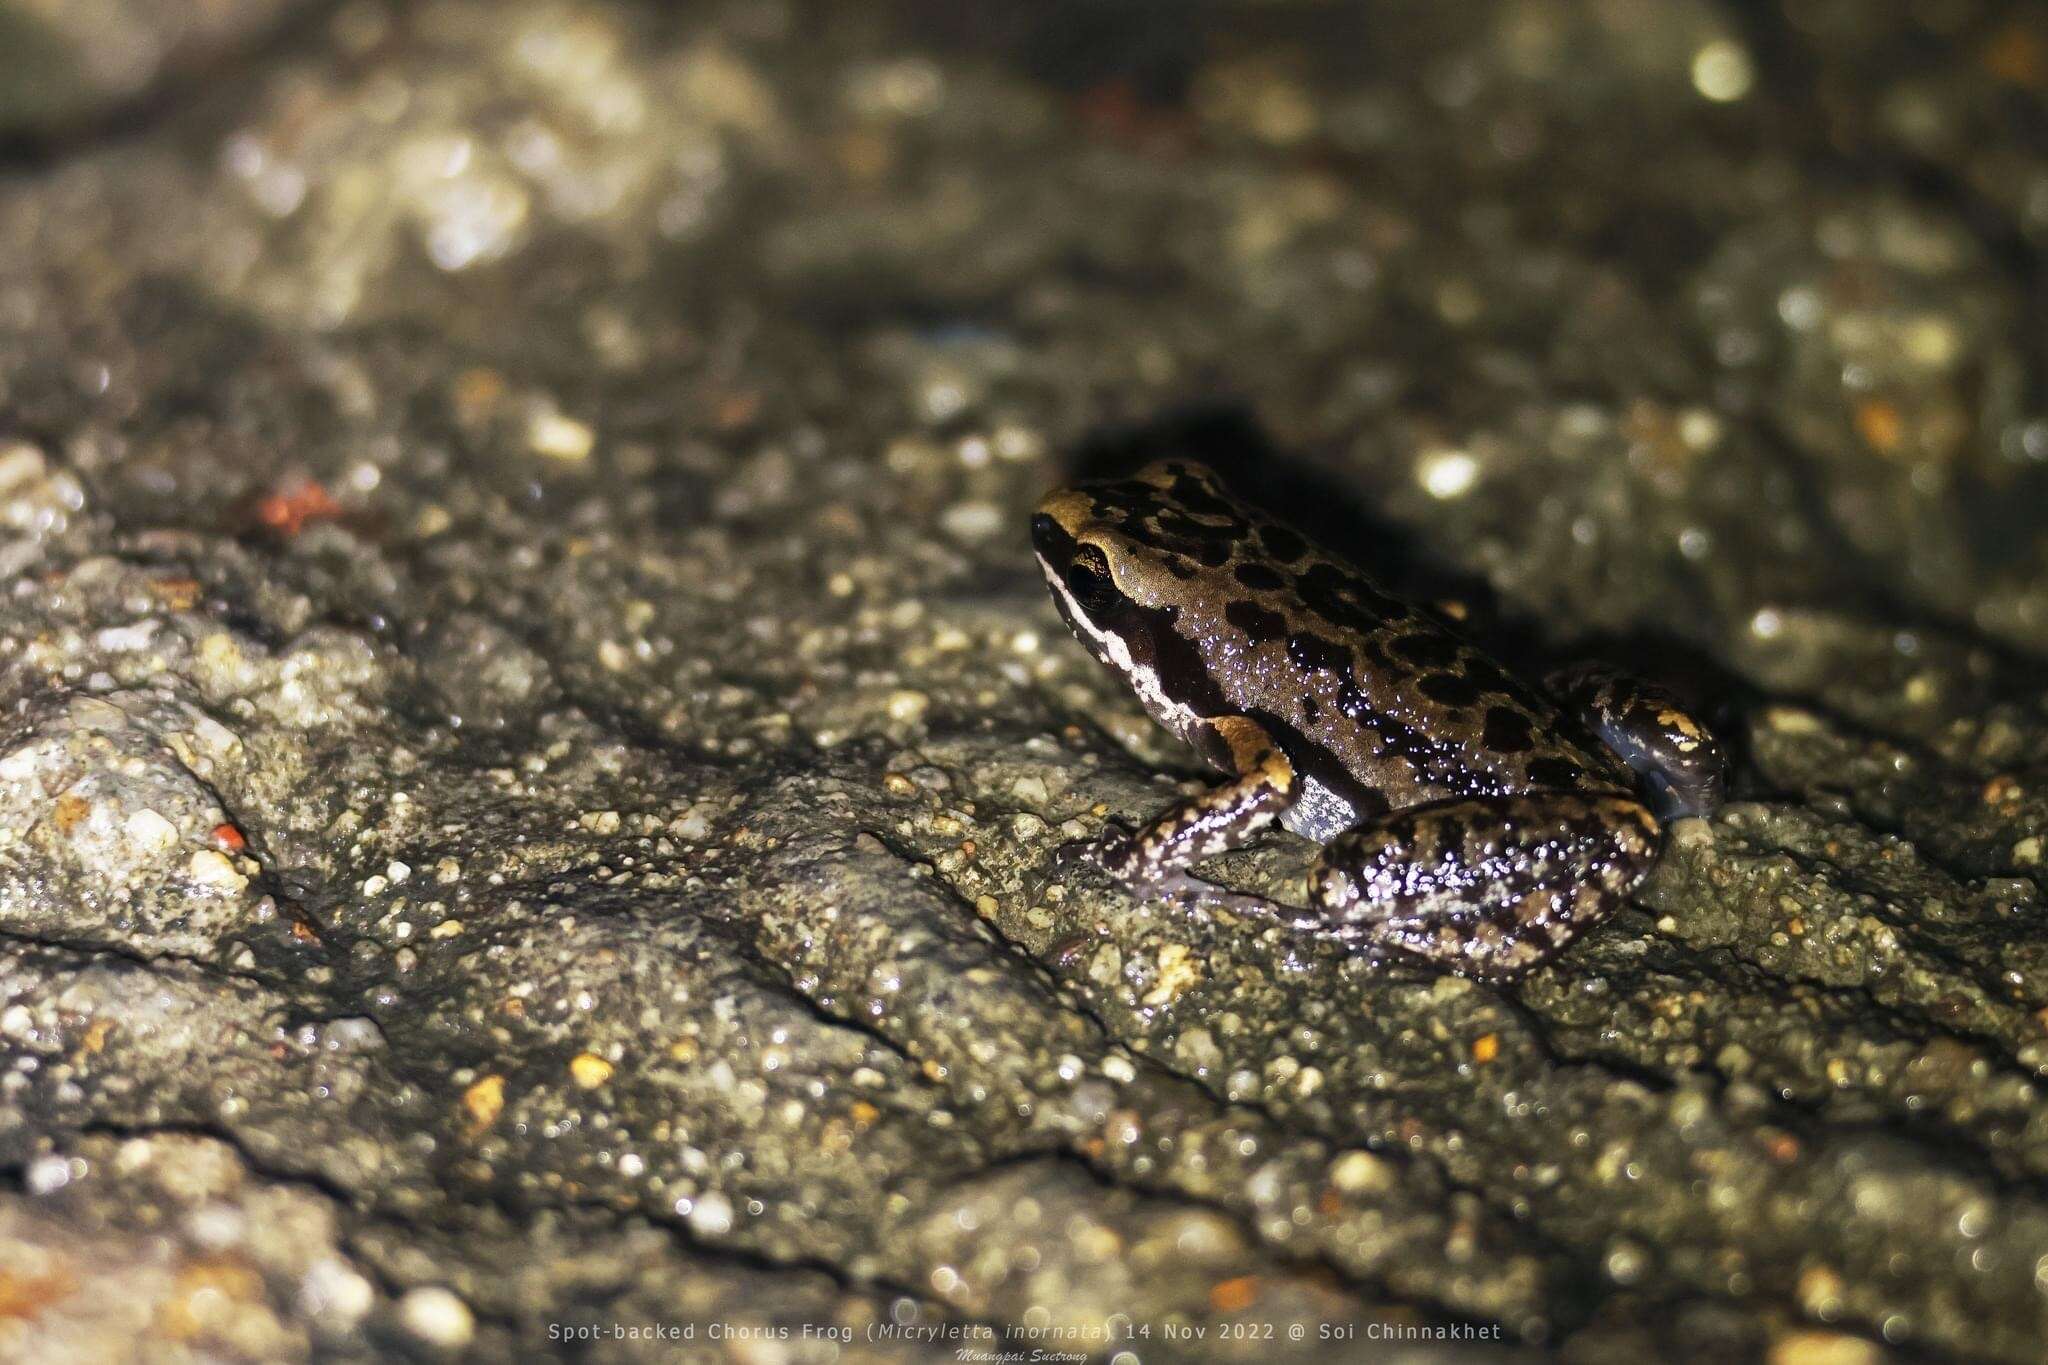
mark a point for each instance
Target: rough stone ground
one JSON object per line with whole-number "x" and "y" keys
{"x": 532, "y": 745}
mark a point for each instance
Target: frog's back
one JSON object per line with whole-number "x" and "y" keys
{"x": 1378, "y": 704}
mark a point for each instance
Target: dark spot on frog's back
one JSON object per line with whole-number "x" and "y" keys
{"x": 1307, "y": 650}
{"x": 1508, "y": 731}
{"x": 1129, "y": 500}
{"x": 1346, "y": 599}
{"x": 1428, "y": 650}
{"x": 1197, "y": 495}
{"x": 1281, "y": 544}
{"x": 1487, "y": 676}
{"x": 1212, "y": 545}
{"x": 1258, "y": 577}
{"x": 1560, "y": 773}
{"x": 1449, "y": 689}
{"x": 1258, "y": 624}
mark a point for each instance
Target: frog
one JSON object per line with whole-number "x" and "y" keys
{"x": 1469, "y": 820}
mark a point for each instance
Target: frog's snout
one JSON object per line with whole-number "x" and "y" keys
{"x": 1045, "y": 535}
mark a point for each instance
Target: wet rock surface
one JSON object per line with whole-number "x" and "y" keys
{"x": 531, "y": 746}
{"x": 66, "y": 65}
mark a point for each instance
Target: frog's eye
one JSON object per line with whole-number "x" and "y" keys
{"x": 1089, "y": 581}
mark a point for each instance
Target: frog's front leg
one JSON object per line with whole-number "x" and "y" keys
{"x": 1489, "y": 886}
{"x": 1680, "y": 764}
{"x": 1153, "y": 863}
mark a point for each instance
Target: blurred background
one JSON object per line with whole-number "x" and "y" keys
{"x": 532, "y": 735}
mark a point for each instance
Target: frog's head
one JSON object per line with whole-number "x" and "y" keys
{"x": 1139, "y": 542}
{"x": 1130, "y": 563}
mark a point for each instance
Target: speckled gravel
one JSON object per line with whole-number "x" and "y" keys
{"x": 531, "y": 746}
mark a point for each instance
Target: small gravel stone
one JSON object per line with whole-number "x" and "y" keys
{"x": 437, "y": 1317}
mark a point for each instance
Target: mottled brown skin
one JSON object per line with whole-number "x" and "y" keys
{"x": 1463, "y": 822}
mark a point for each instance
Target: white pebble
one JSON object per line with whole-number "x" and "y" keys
{"x": 1722, "y": 72}
{"x": 711, "y": 1216}
{"x": 210, "y": 868}
{"x": 124, "y": 639}
{"x": 438, "y": 1317}
{"x": 217, "y": 1226}
{"x": 332, "y": 1289}
{"x": 150, "y": 831}
{"x": 47, "y": 1175}
{"x": 1447, "y": 473}
{"x": 971, "y": 520}
{"x": 558, "y": 437}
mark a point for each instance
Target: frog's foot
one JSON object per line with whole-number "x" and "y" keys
{"x": 1075, "y": 857}
{"x": 1109, "y": 852}
{"x": 1077, "y": 854}
{"x": 1190, "y": 892}
{"x": 1123, "y": 857}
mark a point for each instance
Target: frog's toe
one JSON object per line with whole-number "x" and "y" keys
{"x": 1189, "y": 892}
{"x": 1192, "y": 893}
{"x": 1109, "y": 851}
{"x": 1071, "y": 857}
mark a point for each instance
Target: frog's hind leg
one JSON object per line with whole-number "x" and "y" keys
{"x": 1681, "y": 765}
{"x": 1489, "y": 886}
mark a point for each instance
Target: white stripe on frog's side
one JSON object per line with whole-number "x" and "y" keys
{"x": 1176, "y": 716}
